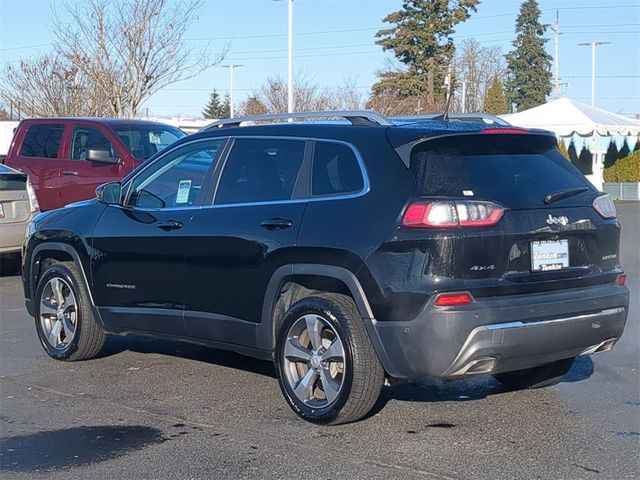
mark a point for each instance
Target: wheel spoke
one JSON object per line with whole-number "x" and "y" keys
{"x": 314, "y": 329}
{"x": 304, "y": 388}
{"x": 69, "y": 328}
{"x": 334, "y": 353}
{"x": 329, "y": 385}
{"x": 69, "y": 303}
{"x": 56, "y": 286}
{"x": 54, "y": 335}
{"x": 47, "y": 309}
{"x": 295, "y": 352}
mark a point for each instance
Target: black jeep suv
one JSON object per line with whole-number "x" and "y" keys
{"x": 344, "y": 251}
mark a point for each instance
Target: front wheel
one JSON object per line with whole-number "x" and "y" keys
{"x": 537, "y": 377}
{"x": 327, "y": 368}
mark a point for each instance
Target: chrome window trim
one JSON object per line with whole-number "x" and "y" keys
{"x": 320, "y": 198}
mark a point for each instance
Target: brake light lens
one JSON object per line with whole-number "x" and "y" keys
{"x": 622, "y": 279}
{"x": 33, "y": 200}
{"x": 452, "y": 214}
{"x": 605, "y": 207}
{"x": 453, "y": 299}
{"x": 505, "y": 131}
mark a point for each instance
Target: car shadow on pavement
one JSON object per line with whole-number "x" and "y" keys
{"x": 470, "y": 389}
{"x": 224, "y": 358}
{"x": 72, "y": 447}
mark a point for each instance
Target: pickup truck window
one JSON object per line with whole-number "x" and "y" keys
{"x": 85, "y": 138}
{"x": 42, "y": 141}
{"x": 144, "y": 141}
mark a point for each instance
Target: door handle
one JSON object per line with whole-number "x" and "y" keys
{"x": 70, "y": 172}
{"x": 276, "y": 223}
{"x": 170, "y": 225}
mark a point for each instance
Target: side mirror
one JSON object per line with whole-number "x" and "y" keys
{"x": 102, "y": 156}
{"x": 109, "y": 193}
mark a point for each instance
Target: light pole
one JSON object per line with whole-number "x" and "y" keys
{"x": 231, "y": 66}
{"x": 290, "y": 102}
{"x": 593, "y": 67}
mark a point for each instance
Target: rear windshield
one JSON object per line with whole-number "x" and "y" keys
{"x": 514, "y": 170}
{"x": 144, "y": 141}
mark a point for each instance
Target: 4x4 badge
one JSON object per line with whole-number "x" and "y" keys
{"x": 562, "y": 220}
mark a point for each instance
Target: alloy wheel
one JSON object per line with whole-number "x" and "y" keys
{"x": 314, "y": 361}
{"x": 58, "y": 313}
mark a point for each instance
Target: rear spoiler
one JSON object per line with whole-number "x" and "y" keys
{"x": 404, "y": 150}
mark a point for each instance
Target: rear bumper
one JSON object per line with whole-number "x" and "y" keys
{"x": 502, "y": 334}
{"x": 12, "y": 236}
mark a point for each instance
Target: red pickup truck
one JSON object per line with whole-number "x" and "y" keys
{"x": 67, "y": 158}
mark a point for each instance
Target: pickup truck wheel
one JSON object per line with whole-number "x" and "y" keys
{"x": 327, "y": 368}
{"x": 537, "y": 377}
{"x": 65, "y": 322}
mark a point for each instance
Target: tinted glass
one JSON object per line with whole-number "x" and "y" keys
{"x": 515, "y": 171}
{"x": 144, "y": 141}
{"x": 178, "y": 180}
{"x": 335, "y": 170}
{"x": 85, "y": 138}
{"x": 260, "y": 170}
{"x": 42, "y": 141}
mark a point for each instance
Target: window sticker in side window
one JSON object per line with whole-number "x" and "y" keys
{"x": 154, "y": 138}
{"x": 184, "y": 187}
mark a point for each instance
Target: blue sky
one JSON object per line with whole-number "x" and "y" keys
{"x": 334, "y": 39}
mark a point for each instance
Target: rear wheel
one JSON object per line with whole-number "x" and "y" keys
{"x": 537, "y": 377}
{"x": 327, "y": 368}
{"x": 66, "y": 325}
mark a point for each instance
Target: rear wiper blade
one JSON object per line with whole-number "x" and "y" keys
{"x": 552, "y": 197}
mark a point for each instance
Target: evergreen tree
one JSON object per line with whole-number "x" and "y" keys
{"x": 529, "y": 65}
{"x": 495, "y": 102}
{"x": 420, "y": 38}
{"x": 217, "y": 107}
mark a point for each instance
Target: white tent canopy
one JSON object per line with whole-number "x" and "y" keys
{"x": 566, "y": 117}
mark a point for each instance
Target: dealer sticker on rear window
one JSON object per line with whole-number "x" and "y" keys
{"x": 549, "y": 255}
{"x": 184, "y": 187}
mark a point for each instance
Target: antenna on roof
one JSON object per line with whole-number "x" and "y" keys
{"x": 448, "y": 85}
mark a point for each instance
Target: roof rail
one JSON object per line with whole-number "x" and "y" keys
{"x": 356, "y": 117}
{"x": 461, "y": 117}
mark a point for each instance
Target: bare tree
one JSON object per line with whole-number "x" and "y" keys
{"x": 130, "y": 49}
{"x": 109, "y": 57}
{"x": 348, "y": 96}
{"x": 50, "y": 86}
{"x": 477, "y": 67}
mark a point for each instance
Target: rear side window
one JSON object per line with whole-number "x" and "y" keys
{"x": 260, "y": 170}
{"x": 511, "y": 169}
{"x": 335, "y": 170}
{"x": 42, "y": 141}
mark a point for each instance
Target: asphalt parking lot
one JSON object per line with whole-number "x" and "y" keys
{"x": 156, "y": 409}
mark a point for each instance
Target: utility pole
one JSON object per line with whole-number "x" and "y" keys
{"x": 464, "y": 96}
{"x": 556, "y": 79}
{"x": 593, "y": 67}
{"x": 231, "y": 66}
{"x": 290, "y": 100}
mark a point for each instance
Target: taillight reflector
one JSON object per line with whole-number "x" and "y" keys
{"x": 452, "y": 299}
{"x": 605, "y": 207}
{"x": 622, "y": 279}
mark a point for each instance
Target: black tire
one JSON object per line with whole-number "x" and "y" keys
{"x": 363, "y": 375}
{"x": 537, "y": 377}
{"x": 89, "y": 337}
{"x": 10, "y": 264}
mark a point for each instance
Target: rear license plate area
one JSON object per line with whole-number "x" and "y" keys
{"x": 549, "y": 255}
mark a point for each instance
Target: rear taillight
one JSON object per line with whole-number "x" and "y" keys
{"x": 452, "y": 214}
{"x": 622, "y": 279}
{"x": 453, "y": 299}
{"x": 605, "y": 207}
{"x": 33, "y": 200}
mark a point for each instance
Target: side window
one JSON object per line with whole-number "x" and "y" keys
{"x": 42, "y": 141}
{"x": 260, "y": 170}
{"x": 335, "y": 170}
{"x": 177, "y": 179}
{"x": 89, "y": 138}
